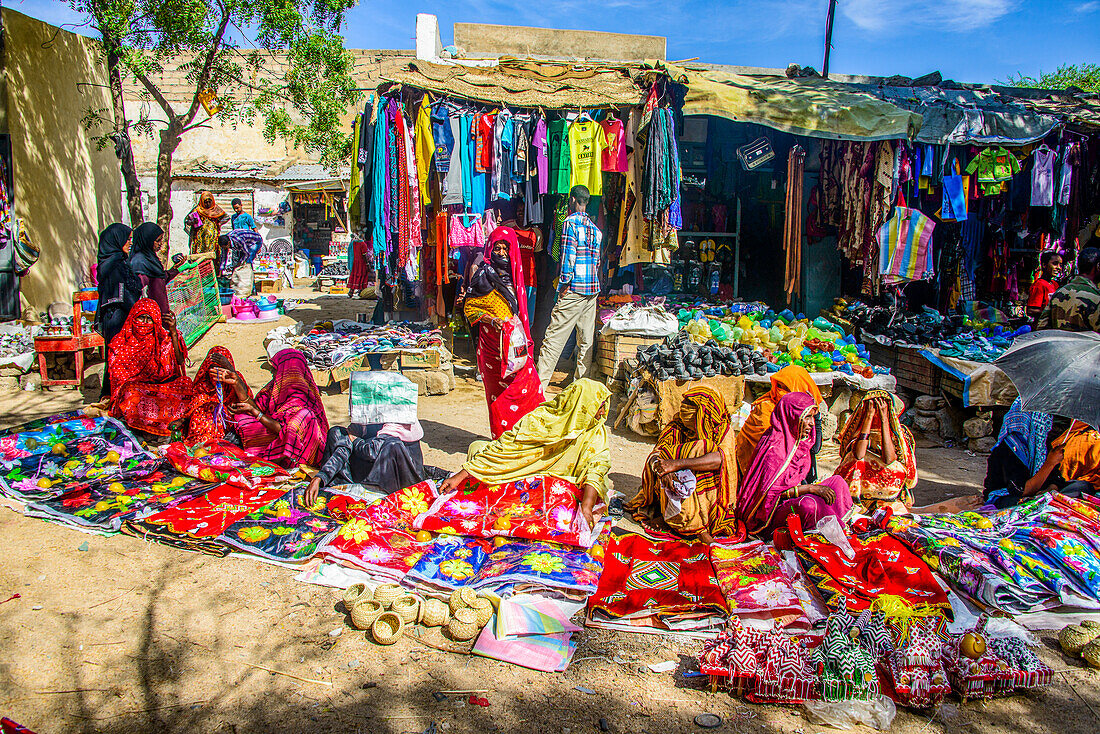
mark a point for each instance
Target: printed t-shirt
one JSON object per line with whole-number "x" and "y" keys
{"x": 542, "y": 161}
{"x": 1040, "y": 293}
{"x": 526, "y": 239}
{"x": 558, "y": 130}
{"x": 614, "y": 155}
{"x": 586, "y": 146}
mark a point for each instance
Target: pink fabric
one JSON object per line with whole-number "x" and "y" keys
{"x": 407, "y": 432}
{"x": 459, "y": 235}
{"x": 507, "y": 234}
{"x": 781, "y": 461}
{"x": 811, "y": 508}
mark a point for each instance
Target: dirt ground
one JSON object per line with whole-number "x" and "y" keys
{"x": 113, "y": 634}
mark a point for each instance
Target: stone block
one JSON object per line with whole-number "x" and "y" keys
{"x": 9, "y": 383}
{"x": 31, "y": 381}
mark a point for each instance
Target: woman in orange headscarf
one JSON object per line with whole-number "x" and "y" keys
{"x": 791, "y": 378}
{"x": 689, "y": 483}
{"x": 208, "y": 225}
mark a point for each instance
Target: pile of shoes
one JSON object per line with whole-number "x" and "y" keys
{"x": 678, "y": 358}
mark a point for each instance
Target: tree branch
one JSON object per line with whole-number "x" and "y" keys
{"x": 154, "y": 92}
{"x": 204, "y": 76}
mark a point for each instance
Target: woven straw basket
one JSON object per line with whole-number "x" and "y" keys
{"x": 387, "y": 628}
{"x": 407, "y": 607}
{"x": 462, "y": 597}
{"x": 364, "y": 612}
{"x": 463, "y": 624}
{"x": 483, "y": 608}
{"x": 387, "y": 594}
{"x": 433, "y": 613}
{"x": 352, "y": 594}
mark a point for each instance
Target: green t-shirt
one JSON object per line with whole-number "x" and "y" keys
{"x": 558, "y": 133}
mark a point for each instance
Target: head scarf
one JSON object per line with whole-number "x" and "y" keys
{"x": 292, "y": 388}
{"x": 791, "y": 378}
{"x": 143, "y": 253}
{"x": 141, "y": 352}
{"x": 208, "y": 414}
{"x": 115, "y": 278}
{"x": 1025, "y": 434}
{"x": 503, "y": 275}
{"x": 782, "y": 461}
{"x": 208, "y": 208}
{"x": 710, "y": 423}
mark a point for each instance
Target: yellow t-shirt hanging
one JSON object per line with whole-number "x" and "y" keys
{"x": 586, "y": 144}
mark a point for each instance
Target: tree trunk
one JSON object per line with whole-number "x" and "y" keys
{"x": 122, "y": 142}
{"x": 169, "y": 141}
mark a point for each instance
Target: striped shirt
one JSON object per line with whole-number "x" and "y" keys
{"x": 580, "y": 260}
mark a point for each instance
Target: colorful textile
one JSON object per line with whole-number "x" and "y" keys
{"x": 103, "y": 457}
{"x": 755, "y": 585}
{"x": 209, "y": 416}
{"x": 565, "y": 437}
{"x": 643, "y": 578}
{"x": 701, "y": 427}
{"x": 292, "y": 399}
{"x": 447, "y": 564}
{"x": 540, "y": 566}
{"x": 284, "y": 530}
{"x": 1025, "y": 433}
{"x": 207, "y": 516}
{"x": 536, "y": 508}
{"x": 224, "y": 463}
{"x": 882, "y": 565}
{"x": 905, "y": 247}
{"x": 871, "y": 481}
{"x": 550, "y": 653}
{"x": 531, "y": 615}
{"x": 791, "y": 378}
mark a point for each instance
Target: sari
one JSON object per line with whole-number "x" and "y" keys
{"x": 205, "y": 237}
{"x": 293, "y": 400}
{"x": 148, "y": 387}
{"x": 710, "y": 507}
{"x": 504, "y": 356}
{"x": 872, "y": 482}
{"x": 209, "y": 417}
{"x": 791, "y": 378}
{"x": 769, "y": 490}
{"x": 1081, "y": 462}
{"x": 565, "y": 437}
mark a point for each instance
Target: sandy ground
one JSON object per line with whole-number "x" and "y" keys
{"x": 119, "y": 635}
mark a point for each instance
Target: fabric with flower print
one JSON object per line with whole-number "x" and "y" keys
{"x": 755, "y": 583}
{"x": 39, "y": 437}
{"x": 206, "y": 517}
{"x": 448, "y": 564}
{"x": 222, "y": 462}
{"x": 656, "y": 579}
{"x": 542, "y": 508}
{"x": 285, "y": 530}
{"x": 535, "y": 566}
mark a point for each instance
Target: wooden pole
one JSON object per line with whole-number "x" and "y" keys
{"x": 828, "y": 38}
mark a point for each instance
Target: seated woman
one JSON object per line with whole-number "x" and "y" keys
{"x": 286, "y": 423}
{"x": 217, "y": 384}
{"x": 1072, "y": 466}
{"x": 699, "y": 443}
{"x": 774, "y": 487}
{"x": 145, "y": 364}
{"x": 1018, "y": 455}
{"x": 791, "y": 378}
{"x": 878, "y": 456}
{"x": 384, "y": 456}
{"x": 565, "y": 437}
{"x": 504, "y": 356}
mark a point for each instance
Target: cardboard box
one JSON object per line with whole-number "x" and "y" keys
{"x": 428, "y": 359}
{"x": 269, "y": 285}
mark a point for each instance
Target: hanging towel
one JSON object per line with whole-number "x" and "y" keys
{"x": 905, "y": 247}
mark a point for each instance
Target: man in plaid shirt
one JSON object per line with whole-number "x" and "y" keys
{"x": 578, "y": 287}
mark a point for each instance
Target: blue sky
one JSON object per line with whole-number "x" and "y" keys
{"x": 966, "y": 40}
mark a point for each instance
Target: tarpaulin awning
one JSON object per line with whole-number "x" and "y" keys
{"x": 811, "y": 107}
{"x": 524, "y": 83}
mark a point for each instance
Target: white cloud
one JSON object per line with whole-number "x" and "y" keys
{"x": 955, "y": 16}
{"x": 1090, "y": 7}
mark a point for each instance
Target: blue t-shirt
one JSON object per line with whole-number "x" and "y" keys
{"x": 243, "y": 220}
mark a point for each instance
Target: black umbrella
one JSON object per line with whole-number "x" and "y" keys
{"x": 1057, "y": 372}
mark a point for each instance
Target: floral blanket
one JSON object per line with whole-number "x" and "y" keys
{"x": 755, "y": 584}
{"x": 285, "y": 530}
{"x": 224, "y": 463}
{"x": 542, "y": 508}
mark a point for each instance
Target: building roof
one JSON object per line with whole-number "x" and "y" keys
{"x": 275, "y": 172}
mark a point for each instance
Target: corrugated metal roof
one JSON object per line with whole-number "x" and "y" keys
{"x": 267, "y": 172}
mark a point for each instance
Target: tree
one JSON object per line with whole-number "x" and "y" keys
{"x": 281, "y": 63}
{"x": 1083, "y": 76}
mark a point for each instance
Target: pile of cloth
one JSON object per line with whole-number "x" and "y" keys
{"x": 331, "y": 343}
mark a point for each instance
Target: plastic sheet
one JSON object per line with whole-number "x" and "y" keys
{"x": 878, "y": 712}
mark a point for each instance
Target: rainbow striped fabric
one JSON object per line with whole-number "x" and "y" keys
{"x": 905, "y": 247}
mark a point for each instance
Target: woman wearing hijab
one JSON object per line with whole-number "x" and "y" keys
{"x": 205, "y": 231}
{"x": 286, "y": 423}
{"x": 217, "y": 384}
{"x": 504, "y": 356}
{"x": 119, "y": 287}
{"x": 791, "y": 378}
{"x": 774, "y": 486}
{"x": 565, "y": 437}
{"x": 878, "y": 455}
{"x": 689, "y": 483}
{"x": 148, "y": 238}
{"x": 145, "y": 361}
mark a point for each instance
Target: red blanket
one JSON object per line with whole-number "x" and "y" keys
{"x": 219, "y": 461}
{"x": 210, "y": 515}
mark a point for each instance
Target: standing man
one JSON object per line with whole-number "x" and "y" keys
{"x": 241, "y": 218}
{"x": 1044, "y": 286}
{"x": 578, "y": 287}
{"x": 1076, "y": 305}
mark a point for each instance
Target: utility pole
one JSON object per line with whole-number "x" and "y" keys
{"x": 828, "y": 38}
